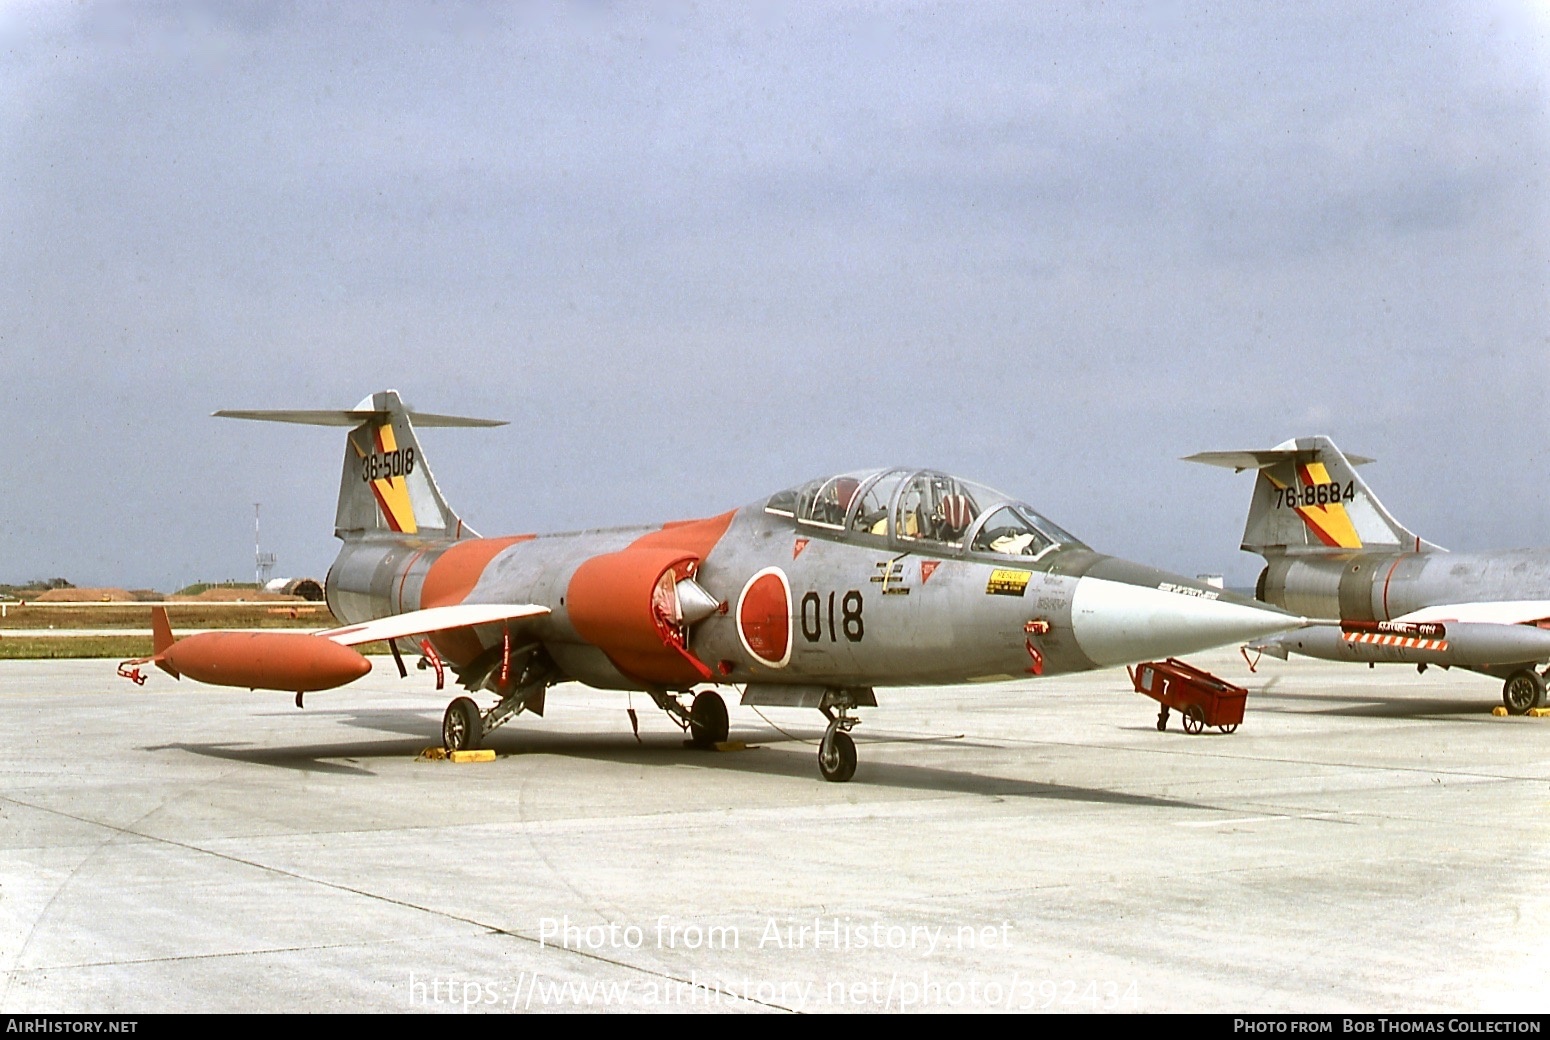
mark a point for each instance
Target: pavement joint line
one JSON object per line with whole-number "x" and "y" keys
{"x": 646, "y": 820}
{"x": 1487, "y": 823}
{"x": 488, "y": 928}
{"x": 207, "y": 956}
{"x": 612, "y": 820}
{"x": 1319, "y": 817}
{"x": 585, "y": 823}
{"x": 1292, "y": 761}
{"x": 1203, "y": 872}
{"x": 1360, "y": 815}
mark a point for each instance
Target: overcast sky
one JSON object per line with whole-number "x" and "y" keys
{"x": 699, "y": 253}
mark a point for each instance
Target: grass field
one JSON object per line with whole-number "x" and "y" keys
{"x": 135, "y": 618}
{"x": 29, "y": 648}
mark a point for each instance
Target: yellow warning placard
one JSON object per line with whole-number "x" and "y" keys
{"x": 1004, "y": 582}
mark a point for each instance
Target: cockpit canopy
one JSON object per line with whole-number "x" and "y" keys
{"x": 922, "y": 509}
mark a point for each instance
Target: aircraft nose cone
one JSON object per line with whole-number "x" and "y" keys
{"x": 1119, "y": 623}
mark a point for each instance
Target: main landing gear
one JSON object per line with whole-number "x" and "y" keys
{"x": 708, "y": 725}
{"x": 464, "y": 726}
{"x": 704, "y": 719}
{"x": 1523, "y": 690}
{"x": 461, "y": 726}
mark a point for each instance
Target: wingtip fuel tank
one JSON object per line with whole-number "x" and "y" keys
{"x": 293, "y": 662}
{"x": 1459, "y": 644}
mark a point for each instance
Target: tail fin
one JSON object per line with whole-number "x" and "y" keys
{"x": 1308, "y": 500}
{"x": 161, "y": 630}
{"x": 161, "y": 639}
{"x": 386, "y": 486}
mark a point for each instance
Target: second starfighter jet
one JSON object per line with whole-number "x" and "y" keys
{"x": 1333, "y": 551}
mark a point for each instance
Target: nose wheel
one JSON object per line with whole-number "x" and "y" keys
{"x": 837, "y": 751}
{"x": 837, "y": 754}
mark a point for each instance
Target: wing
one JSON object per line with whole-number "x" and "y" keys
{"x": 1505, "y": 612}
{"x": 434, "y": 619}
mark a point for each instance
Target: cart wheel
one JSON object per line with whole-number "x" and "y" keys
{"x": 1194, "y": 719}
{"x": 1162, "y": 719}
{"x": 1229, "y": 729}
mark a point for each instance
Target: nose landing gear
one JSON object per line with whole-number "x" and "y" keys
{"x": 837, "y": 751}
{"x": 837, "y": 755}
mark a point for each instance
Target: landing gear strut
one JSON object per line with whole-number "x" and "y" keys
{"x": 464, "y": 726}
{"x": 1523, "y": 690}
{"x": 704, "y": 719}
{"x": 522, "y": 688}
{"x": 837, "y": 751}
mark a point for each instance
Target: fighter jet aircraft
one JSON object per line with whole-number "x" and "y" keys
{"x": 1333, "y": 552}
{"x": 810, "y": 598}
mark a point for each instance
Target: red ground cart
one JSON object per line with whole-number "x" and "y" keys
{"x": 1202, "y": 698}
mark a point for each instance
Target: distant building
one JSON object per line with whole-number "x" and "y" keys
{"x": 309, "y": 589}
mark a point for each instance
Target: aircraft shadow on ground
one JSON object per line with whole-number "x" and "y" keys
{"x": 767, "y": 757}
{"x": 309, "y": 758}
{"x": 411, "y": 722}
{"x": 1353, "y": 705}
{"x": 769, "y": 754}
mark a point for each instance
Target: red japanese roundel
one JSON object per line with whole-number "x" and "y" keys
{"x": 764, "y": 617}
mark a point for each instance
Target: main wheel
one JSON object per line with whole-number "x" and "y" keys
{"x": 837, "y": 756}
{"x": 461, "y": 728}
{"x": 1194, "y": 719}
{"x": 708, "y": 720}
{"x": 1523, "y": 690}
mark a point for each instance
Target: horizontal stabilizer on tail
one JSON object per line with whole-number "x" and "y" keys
{"x": 385, "y": 488}
{"x": 1238, "y": 461}
{"x": 351, "y": 417}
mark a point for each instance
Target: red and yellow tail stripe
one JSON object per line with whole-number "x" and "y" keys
{"x": 1330, "y": 523}
{"x": 392, "y": 493}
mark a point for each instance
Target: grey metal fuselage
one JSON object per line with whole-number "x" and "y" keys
{"x": 864, "y": 611}
{"x": 1380, "y": 586}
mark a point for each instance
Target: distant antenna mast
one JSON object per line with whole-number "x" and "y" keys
{"x": 264, "y": 562}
